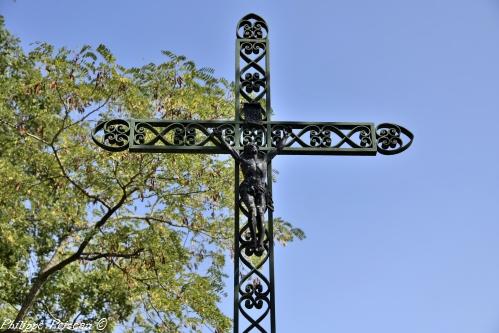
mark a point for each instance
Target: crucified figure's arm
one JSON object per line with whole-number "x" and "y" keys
{"x": 279, "y": 146}
{"x": 221, "y": 142}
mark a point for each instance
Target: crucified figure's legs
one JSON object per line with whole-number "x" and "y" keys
{"x": 260, "y": 217}
{"x": 249, "y": 202}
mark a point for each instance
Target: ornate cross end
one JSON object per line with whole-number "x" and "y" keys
{"x": 112, "y": 135}
{"x": 392, "y": 139}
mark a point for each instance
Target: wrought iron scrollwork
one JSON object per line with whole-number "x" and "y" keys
{"x": 254, "y": 48}
{"x": 228, "y": 134}
{"x": 252, "y": 83}
{"x": 390, "y": 138}
{"x": 252, "y": 26}
{"x": 255, "y": 296}
{"x": 253, "y": 134}
{"x": 304, "y": 138}
{"x": 180, "y": 134}
{"x": 112, "y": 135}
{"x": 325, "y": 136}
{"x": 278, "y": 133}
{"x": 320, "y": 137}
{"x": 254, "y": 287}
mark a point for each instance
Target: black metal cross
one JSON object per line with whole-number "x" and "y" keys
{"x": 252, "y": 139}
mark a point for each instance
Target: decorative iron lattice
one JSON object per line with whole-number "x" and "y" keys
{"x": 252, "y": 129}
{"x": 252, "y": 65}
{"x": 253, "y": 290}
{"x": 393, "y": 139}
{"x": 305, "y": 138}
{"x": 254, "y": 287}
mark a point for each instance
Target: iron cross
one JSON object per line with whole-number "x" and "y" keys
{"x": 253, "y": 140}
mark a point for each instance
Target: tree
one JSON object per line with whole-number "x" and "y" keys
{"x": 139, "y": 239}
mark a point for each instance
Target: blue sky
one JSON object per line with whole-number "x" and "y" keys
{"x": 406, "y": 243}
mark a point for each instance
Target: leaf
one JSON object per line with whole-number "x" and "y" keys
{"x": 105, "y": 53}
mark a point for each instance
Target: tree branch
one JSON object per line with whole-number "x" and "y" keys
{"x": 148, "y": 220}
{"x": 75, "y": 184}
{"x": 46, "y": 272}
{"x": 91, "y": 256}
{"x": 37, "y": 138}
{"x": 89, "y": 113}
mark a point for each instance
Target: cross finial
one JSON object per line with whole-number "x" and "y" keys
{"x": 252, "y": 26}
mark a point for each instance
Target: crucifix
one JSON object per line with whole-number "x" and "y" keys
{"x": 252, "y": 139}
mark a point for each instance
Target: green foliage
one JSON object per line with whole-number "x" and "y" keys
{"x": 140, "y": 239}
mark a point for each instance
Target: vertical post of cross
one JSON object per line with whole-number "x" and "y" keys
{"x": 253, "y": 291}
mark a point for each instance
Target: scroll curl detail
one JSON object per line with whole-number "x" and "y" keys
{"x": 390, "y": 139}
{"x": 112, "y": 135}
{"x": 252, "y": 82}
{"x": 252, "y": 26}
{"x": 252, "y": 48}
{"x": 253, "y": 134}
{"x": 228, "y": 134}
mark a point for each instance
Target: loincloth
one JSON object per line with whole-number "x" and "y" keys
{"x": 256, "y": 190}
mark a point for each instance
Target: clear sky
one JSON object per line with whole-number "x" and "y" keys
{"x": 396, "y": 244}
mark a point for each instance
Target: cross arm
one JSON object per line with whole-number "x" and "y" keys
{"x": 274, "y": 137}
{"x": 329, "y": 138}
{"x": 165, "y": 136}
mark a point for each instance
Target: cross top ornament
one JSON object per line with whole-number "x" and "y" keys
{"x": 253, "y": 140}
